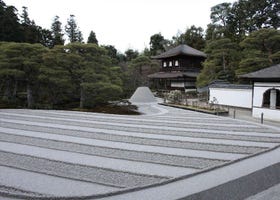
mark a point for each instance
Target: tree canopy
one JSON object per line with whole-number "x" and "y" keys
{"x": 239, "y": 19}
{"x": 193, "y": 36}
{"x": 252, "y": 27}
{"x": 38, "y": 70}
{"x": 74, "y": 73}
{"x": 260, "y": 49}
{"x": 157, "y": 44}
{"x": 221, "y": 62}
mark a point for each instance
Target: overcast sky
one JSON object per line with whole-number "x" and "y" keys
{"x": 122, "y": 23}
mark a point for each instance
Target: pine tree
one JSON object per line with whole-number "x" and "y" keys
{"x": 72, "y": 30}
{"x": 31, "y": 32}
{"x": 56, "y": 30}
{"x": 92, "y": 38}
{"x": 157, "y": 44}
{"x": 24, "y": 17}
{"x": 9, "y": 21}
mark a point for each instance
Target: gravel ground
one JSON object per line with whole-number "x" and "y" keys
{"x": 78, "y": 172}
{"x": 181, "y": 161}
{"x": 27, "y": 181}
{"x": 272, "y": 193}
{"x": 164, "y": 143}
{"x": 15, "y": 191}
{"x": 258, "y": 137}
{"x": 132, "y": 119}
{"x": 139, "y": 126}
{"x": 121, "y": 152}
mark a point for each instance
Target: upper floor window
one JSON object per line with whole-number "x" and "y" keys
{"x": 164, "y": 64}
{"x": 176, "y": 63}
{"x": 170, "y": 63}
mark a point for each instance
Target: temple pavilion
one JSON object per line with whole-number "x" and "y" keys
{"x": 180, "y": 67}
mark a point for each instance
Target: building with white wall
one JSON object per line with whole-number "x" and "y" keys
{"x": 266, "y": 92}
{"x": 263, "y": 96}
{"x": 231, "y": 95}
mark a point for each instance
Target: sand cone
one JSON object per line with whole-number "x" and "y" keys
{"x": 142, "y": 95}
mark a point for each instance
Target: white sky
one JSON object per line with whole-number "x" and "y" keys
{"x": 122, "y": 23}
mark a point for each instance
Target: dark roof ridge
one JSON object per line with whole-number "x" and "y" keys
{"x": 182, "y": 49}
{"x": 269, "y": 73}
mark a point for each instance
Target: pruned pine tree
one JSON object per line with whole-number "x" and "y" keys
{"x": 20, "y": 65}
{"x": 261, "y": 49}
{"x": 221, "y": 63}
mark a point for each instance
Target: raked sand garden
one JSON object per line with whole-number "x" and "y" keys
{"x": 47, "y": 154}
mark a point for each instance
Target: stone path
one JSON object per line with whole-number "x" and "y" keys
{"x": 90, "y": 154}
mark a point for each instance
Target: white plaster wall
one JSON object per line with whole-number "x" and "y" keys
{"x": 177, "y": 84}
{"x": 232, "y": 97}
{"x": 270, "y": 114}
{"x": 182, "y": 84}
{"x": 259, "y": 89}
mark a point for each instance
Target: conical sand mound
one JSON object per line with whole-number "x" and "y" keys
{"x": 142, "y": 95}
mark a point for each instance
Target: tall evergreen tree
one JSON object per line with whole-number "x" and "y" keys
{"x": 45, "y": 37}
{"x": 131, "y": 54}
{"x": 80, "y": 37}
{"x": 250, "y": 15}
{"x": 239, "y": 19}
{"x": 57, "y": 34}
{"x": 221, "y": 63}
{"x": 9, "y": 22}
{"x": 31, "y": 32}
{"x": 72, "y": 30}
{"x": 157, "y": 44}
{"x": 25, "y": 20}
{"x": 92, "y": 38}
{"x": 193, "y": 37}
{"x": 260, "y": 49}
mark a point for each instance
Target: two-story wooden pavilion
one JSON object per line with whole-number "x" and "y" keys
{"x": 179, "y": 68}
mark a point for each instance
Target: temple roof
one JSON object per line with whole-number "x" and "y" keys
{"x": 174, "y": 74}
{"x": 181, "y": 50}
{"x": 231, "y": 86}
{"x": 269, "y": 73}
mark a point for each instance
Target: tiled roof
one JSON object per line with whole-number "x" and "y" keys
{"x": 181, "y": 50}
{"x": 174, "y": 74}
{"x": 272, "y": 72}
{"x": 232, "y": 86}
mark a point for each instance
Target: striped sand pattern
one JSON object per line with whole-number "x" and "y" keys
{"x": 113, "y": 153}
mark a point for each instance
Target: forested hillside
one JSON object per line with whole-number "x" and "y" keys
{"x": 55, "y": 68}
